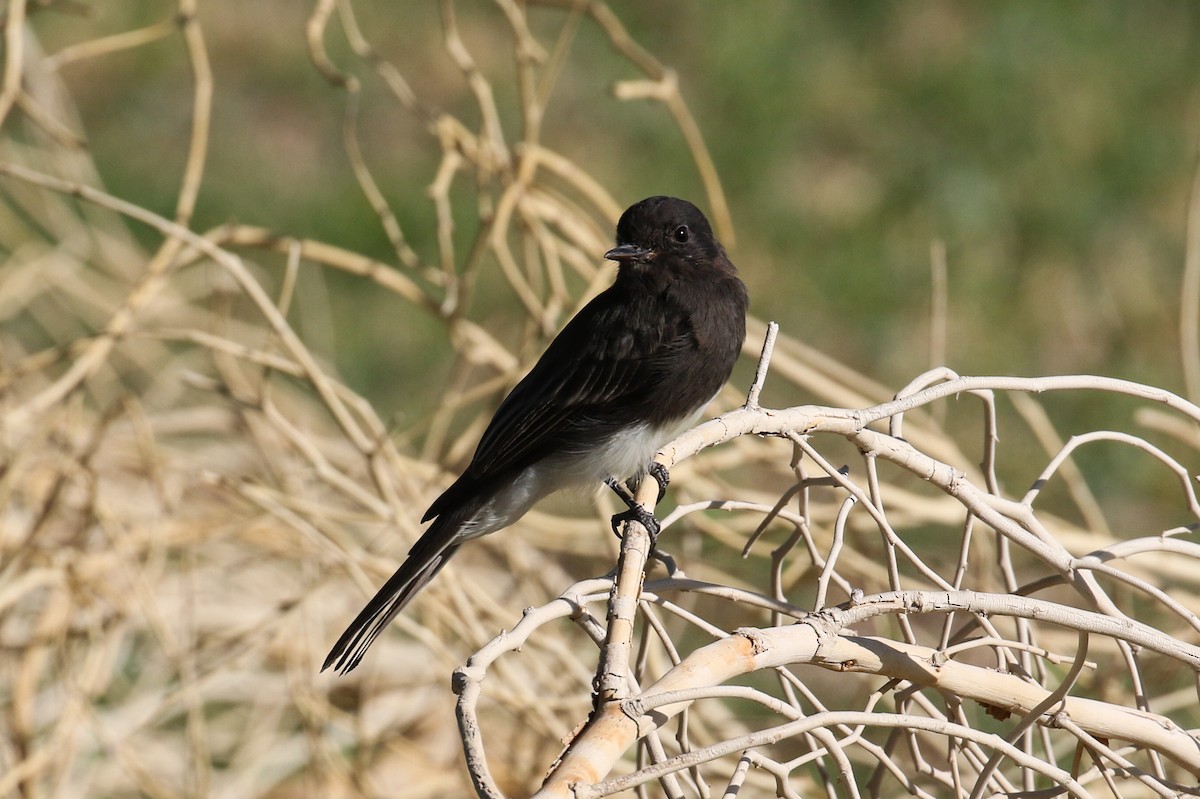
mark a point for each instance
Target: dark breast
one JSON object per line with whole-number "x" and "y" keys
{"x": 686, "y": 339}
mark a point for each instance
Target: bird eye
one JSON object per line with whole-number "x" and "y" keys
{"x": 681, "y": 234}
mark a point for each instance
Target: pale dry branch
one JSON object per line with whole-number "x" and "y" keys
{"x": 1189, "y": 296}
{"x": 606, "y": 736}
{"x": 14, "y": 51}
{"x": 817, "y": 641}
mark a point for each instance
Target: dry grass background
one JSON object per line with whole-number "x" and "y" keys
{"x": 193, "y": 503}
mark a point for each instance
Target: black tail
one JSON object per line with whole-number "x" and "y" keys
{"x": 425, "y": 559}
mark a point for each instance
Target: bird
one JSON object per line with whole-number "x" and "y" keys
{"x": 635, "y": 366}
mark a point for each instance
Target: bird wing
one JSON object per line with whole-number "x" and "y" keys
{"x": 588, "y": 374}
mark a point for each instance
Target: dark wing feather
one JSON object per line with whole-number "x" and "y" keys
{"x": 578, "y": 376}
{"x": 592, "y": 372}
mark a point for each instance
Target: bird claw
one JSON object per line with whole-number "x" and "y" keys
{"x": 661, "y": 476}
{"x": 643, "y": 517}
{"x": 635, "y": 511}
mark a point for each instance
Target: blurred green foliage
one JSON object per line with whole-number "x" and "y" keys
{"x": 1051, "y": 146}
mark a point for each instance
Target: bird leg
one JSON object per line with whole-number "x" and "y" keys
{"x": 636, "y": 512}
{"x": 660, "y": 475}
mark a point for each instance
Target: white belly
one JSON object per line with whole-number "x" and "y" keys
{"x": 625, "y": 454}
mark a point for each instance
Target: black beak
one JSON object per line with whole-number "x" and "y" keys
{"x": 628, "y": 252}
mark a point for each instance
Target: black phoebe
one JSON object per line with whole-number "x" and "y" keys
{"x": 633, "y": 368}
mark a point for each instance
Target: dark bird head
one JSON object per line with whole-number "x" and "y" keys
{"x": 660, "y": 228}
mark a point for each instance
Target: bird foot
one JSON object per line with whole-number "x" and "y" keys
{"x": 635, "y": 513}
{"x": 641, "y": 515}
{"x": 660, "y": 475}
